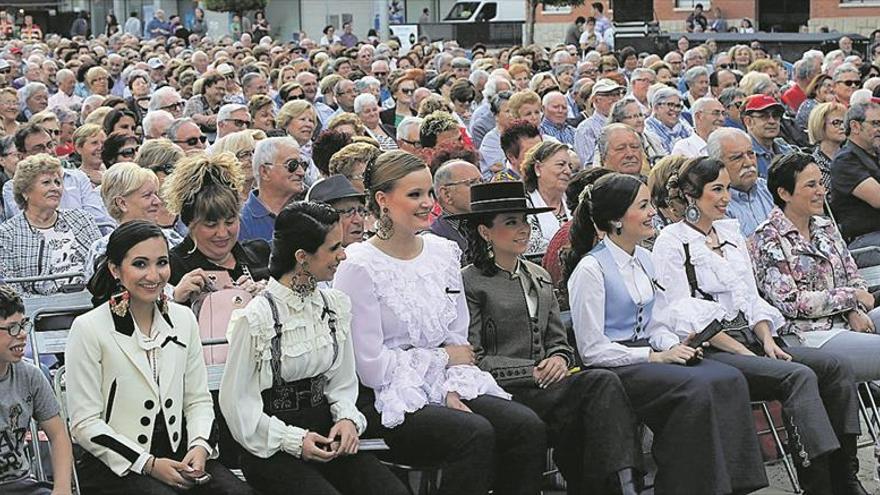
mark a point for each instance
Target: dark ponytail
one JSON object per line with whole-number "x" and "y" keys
{"x": 300, "y": 225}
{"x": 601, "y": 203}
{"x": 102, "y": 285}
{"x": 478, "y": 248}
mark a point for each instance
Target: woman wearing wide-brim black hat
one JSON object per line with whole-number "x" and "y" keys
{"x": 519, "y": 338}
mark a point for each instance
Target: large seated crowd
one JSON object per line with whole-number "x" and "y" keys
{"x": 474, "y": 254}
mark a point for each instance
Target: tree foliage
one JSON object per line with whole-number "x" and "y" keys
{"x": 235, "y": 5}
{"x": 533, "y": 8}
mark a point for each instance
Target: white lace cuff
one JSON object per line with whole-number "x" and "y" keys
{"x": 471, "y": 382}
{"x": 346, "y": 410}
{"x": 417, "y": 379}
{"x": 292, "y": 441}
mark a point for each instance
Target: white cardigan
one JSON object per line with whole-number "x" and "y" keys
{"x": 112, "y": 397}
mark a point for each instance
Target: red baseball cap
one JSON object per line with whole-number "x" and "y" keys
{"x": 756, "y": 103}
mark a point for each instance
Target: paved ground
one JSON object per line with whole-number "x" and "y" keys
{"x": 779, "y": 483}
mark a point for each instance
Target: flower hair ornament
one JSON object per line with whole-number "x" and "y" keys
{"x": 586, "y": 194}
{"x": 673, "y": 190}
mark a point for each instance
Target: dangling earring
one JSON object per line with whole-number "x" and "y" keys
{"x": 163, "y": 303}
{"x": 119, "y": 303}
{"x": 384, "y": 226}
{"x": 489, "y": 251}
{"x": 692, "y": 213}
{"x": 618, "y": 227}
{"x": 304, "y": 287}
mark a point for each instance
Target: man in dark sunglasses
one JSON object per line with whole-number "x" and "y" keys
{"x": 187, "y": 134}
{"x": 232, "y": 117}
{"x": 279, "y": 177}
{"x": 846, "y": 80}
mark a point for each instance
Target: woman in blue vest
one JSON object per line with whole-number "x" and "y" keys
{"x": 704, "y": 437}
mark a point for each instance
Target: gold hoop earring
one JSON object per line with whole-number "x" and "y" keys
{"x": 195, "y": 246}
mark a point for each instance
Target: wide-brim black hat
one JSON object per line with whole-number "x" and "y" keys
{"x": 500, "y": 197}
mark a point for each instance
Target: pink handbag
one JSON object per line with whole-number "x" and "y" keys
{"x": 213, "y": 310}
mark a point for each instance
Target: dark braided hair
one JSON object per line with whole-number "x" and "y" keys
{"x": 602, "y": 202}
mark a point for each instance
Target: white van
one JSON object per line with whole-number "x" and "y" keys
{"x": 487, "y": 11}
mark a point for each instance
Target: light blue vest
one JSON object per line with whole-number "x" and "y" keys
{"x": 624, "y": 319}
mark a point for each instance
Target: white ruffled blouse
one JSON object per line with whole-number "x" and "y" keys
{"x": 728, "y": 279}
{"x": 306, "y": 351}
{"x": 403, "y": 313}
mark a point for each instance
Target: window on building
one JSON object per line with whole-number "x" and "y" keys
{"x": 690, "y": 4}
{"x": 555, "y": 9}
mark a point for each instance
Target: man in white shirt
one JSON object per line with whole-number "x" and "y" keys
{"x": 65, "y": 97}
{"x": 708, "y": 116}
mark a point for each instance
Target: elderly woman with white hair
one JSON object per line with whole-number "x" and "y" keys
{"x": 665, "y": 124}
{"x": 298, "y": 118}
{"x": 33, "y": 98}
{"x": 367, "y": 109}
{"x": 130, "y": 192}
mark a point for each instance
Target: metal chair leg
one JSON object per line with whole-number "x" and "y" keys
{"x": 786, "y": 460}
{"x": 863, "y": 409}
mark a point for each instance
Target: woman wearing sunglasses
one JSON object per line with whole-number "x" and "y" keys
{"x": 826, "y": 132}
{"x": 119, "y": 147}
{"x": 402, "y": 89}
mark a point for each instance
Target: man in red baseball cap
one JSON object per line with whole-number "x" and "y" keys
{"x": 762, "y": 116}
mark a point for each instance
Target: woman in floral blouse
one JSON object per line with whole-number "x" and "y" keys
{"x": 803, "y": 267}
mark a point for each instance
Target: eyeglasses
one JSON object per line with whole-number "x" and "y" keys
{"x": 380, "y": 74}
{"x": 407, "y": 91}
{"x": 193, "y": 141}
{"x": 671, "y": 105}
{"x": 613, "y": 94}
{"x": 296, "y": 97}
{"x": 639, "y": 115}
{"x": 165, "y": 168}
{"x": 176, "y": 106}
{"x": 837, "y": 123}
{"x": 54, "y": 132}
{"x": 239, "y": 123}
{"x": 766, "y": 115}
{"x": 872, "y": 123}
{"x": 852, "y": 83}
{"x": 241, "y": 155}
{"x": 17, "y": 329}
{"x": 416, "y": 143}
{"x": 468, "y": 182}
{"x": 128, "y": 152}
{"x": 349, "y": 212}
{"x": 292, "y": 165}
{"x": 725, "y": 66}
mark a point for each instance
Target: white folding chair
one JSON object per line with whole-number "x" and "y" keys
{"x": 60, "y": 386}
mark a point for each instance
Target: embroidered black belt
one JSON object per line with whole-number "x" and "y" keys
{"x": 294, "y": 396}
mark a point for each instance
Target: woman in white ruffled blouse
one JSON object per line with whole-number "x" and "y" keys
{"x": 289, "y": 388}
{"x": 703, "y": 262}
{"x": 410, "y": 327}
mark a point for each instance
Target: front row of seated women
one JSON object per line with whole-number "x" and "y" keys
{"x": 467, "y": 370}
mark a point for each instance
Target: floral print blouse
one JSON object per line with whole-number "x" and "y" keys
{"x": 813, "y": 282}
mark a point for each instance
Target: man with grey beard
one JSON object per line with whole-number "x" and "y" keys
{"x": 750, "y": 200}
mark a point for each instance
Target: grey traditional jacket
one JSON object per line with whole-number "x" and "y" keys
{"x": 508, "y": 342}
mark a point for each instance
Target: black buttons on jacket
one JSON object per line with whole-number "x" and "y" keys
{"x": 142, "y": 439}
{"x": 175, "y": 436}
{"x": 148, "y": 405}
{"x": 145, "y": 421}
{"x": 168, "y": 403}
{"x": 172, "y": 420}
